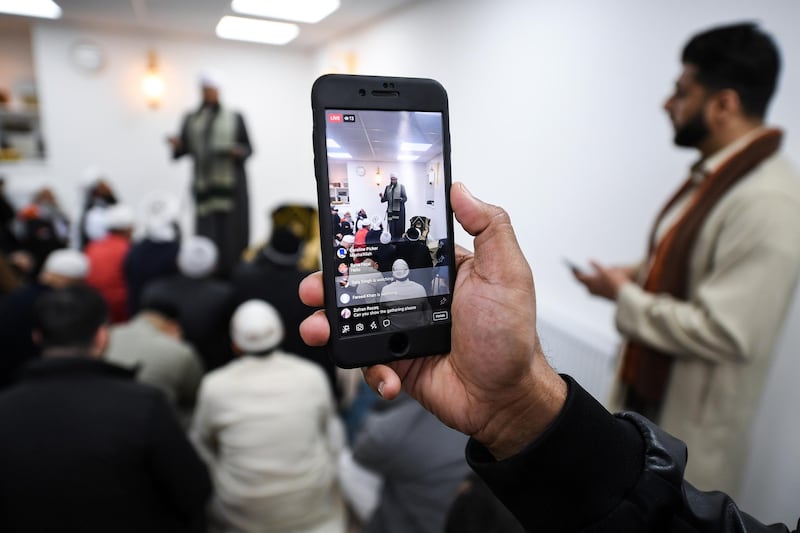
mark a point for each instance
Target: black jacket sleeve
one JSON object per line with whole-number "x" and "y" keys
{"x": 594, "y": 472}
{"x": 177, "y": 468}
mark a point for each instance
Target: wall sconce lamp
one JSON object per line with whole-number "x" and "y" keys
{"x": 153, "y": 82}
{"x": 431, "y": 176}
{"x": 378, "y": 177}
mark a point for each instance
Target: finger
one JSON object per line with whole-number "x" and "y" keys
{"x": 383, "y": 380}
{"x": 597, "y": 266}
{"x": 315, "y": 330}
{"x": 311, "y": 291}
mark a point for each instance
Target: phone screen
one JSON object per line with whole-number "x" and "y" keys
{"x": 389, "y": 223}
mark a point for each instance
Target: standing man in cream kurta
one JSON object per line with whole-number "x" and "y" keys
{"x": 217, "y": 140}
{"x": 702, "y": 312}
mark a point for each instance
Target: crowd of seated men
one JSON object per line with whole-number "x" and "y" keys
{"x": 140, "y": 391}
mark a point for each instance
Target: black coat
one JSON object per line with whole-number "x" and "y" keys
{"x": 16, "y": 328}
{"x": 85, "y": 448}
{"x": 146, "y": 261}
{"x": 591, "y": 471}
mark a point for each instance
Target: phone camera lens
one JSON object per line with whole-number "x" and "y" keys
{"x": 361, "y": 92}
{"x": 385, "y": 85}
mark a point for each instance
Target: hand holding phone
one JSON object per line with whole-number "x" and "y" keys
{"x": 371, "y": 132}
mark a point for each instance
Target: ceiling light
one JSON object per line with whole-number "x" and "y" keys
{"x": 31, "y": 8}
{"x": 414, "y": 147}
{"x": 332, "y": 144}
{"x": 257, "y": 31}
{"x": 407, "y": 157}
{"x": 339, "y": 155}
{"x": 308, "y": 11}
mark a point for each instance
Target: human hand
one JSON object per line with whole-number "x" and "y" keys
{"x": 495, "y": 384}
{"x": 238, "y": 152}
{"x": 605, "y": 281}
{"x": 174, "y": 142}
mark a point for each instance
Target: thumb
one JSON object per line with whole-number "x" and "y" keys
{"x": 473, "y": 214}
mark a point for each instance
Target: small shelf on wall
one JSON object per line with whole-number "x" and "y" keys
{"x": 339, "y": 192}
{"x": 20, "y": 136}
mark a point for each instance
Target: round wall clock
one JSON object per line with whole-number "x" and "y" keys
{"x": 87, "y": 57}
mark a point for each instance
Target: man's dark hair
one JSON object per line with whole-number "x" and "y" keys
{"x": 69, "y": 317}
{"x": 739, "y": 57}
{"x": 165, "y": 308}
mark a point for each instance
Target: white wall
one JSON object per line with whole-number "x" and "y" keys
{"x": 102, "y": 120}
{"x": 556, "y": 115}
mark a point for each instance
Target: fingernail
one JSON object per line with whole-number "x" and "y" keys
{"x": 380, "y": 388}
{"x": 464, "y": 188}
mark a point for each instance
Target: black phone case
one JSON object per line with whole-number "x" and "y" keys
{"x": 336, "y": 91}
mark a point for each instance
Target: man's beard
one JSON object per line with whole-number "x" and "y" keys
{"x": 693, "y": 132}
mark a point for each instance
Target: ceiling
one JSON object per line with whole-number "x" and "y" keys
{"x": 198, "y": 18}
{"x": 377, "y": 135}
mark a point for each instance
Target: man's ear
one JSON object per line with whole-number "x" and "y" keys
{"x": 727, "y": 103}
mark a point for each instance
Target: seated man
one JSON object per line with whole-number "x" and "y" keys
{"x": 267, "y": 425}
{"x": 151, "y": 344}
{"x": 84, "y": 447}
{"x": 204, "y": 303}
{"x": 419, "y": 461}
{"x": 63, "y": 268}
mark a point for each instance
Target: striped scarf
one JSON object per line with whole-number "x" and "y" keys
{"x": 212, "y": 134}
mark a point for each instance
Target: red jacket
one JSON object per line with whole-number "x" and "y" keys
{"x": 106, "y": 257}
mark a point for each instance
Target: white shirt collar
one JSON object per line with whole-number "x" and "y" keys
{"x": 710, "y": 164}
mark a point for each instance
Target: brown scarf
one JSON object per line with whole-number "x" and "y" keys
{"x": 645, "y": 369}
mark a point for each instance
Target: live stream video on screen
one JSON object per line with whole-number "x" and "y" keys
{"x": 387, "y": 198}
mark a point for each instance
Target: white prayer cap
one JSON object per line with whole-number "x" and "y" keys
{"x": 68, "y": 263}
{"x": 197, "y": 257}
{"x": 210, "y": 78}
{"x": 159, "y": 210}
{"x": 256, "y": 327}
{"x": 400, "y": 269}
{"x": 350, "y": 239}
{"x": 119, "y": 216}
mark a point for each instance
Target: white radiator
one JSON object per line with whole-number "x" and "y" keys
{"x": 586, "y": 356}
